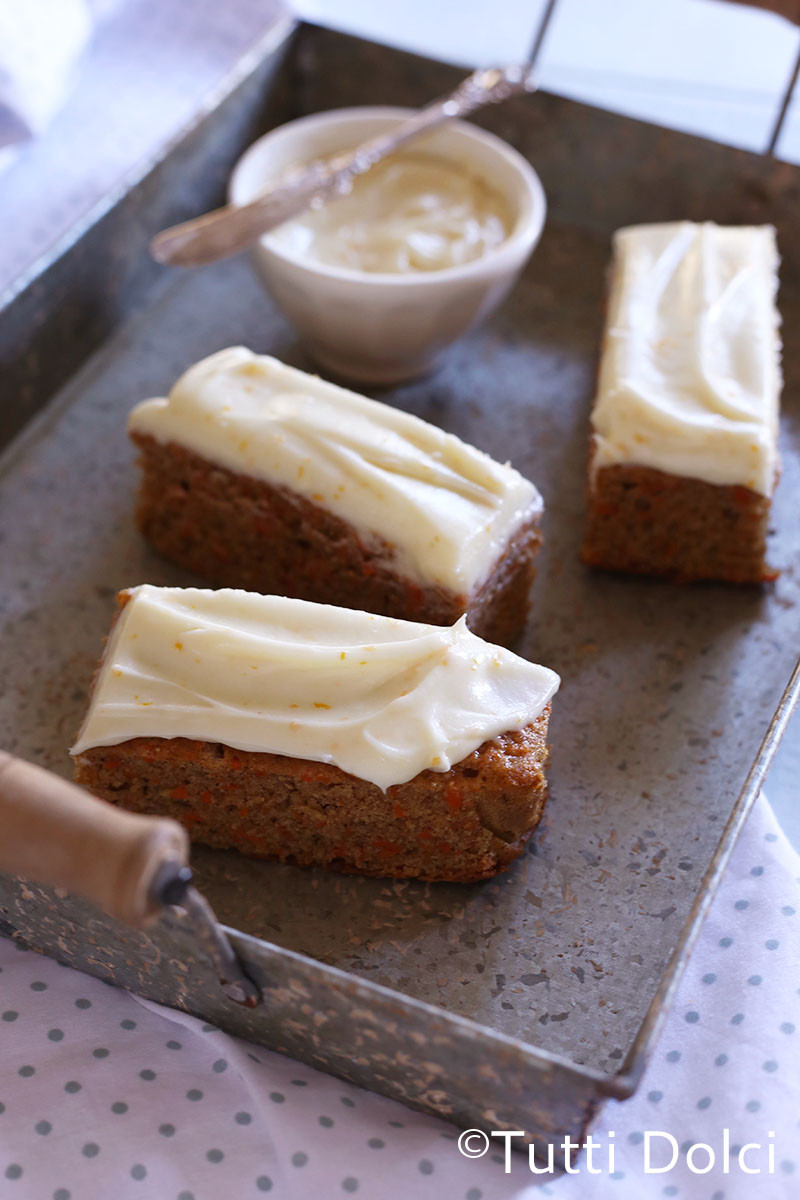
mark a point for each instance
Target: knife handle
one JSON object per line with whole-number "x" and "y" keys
{"x": 55, "y": 833}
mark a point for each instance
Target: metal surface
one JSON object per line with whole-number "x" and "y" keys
{"x": 173, "y": 886}
{"x": 214, "y": 942}
{"x": 100, "y": 272}
{"x": 522, "y": 1001}
{"x": 659, "y": 1006}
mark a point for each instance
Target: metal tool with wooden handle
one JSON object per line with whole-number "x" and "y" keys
{"x": 54, "y": 833}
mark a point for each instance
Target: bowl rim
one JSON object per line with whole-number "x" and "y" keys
{"x": 524, "y": 235}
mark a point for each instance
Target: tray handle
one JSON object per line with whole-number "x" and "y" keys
{"x": 54, "y": 833}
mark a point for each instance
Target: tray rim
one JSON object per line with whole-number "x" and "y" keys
{"x": 622, "y": 1084}
{"x": 284, "y": 27}
{"x": 647, "y": 1035}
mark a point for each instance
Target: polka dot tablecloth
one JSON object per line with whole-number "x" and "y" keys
{"x": 103, "y": 1095}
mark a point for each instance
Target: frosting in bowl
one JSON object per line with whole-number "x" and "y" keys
{"x": 409, "y": 213}
{"x": 381, "y": 698}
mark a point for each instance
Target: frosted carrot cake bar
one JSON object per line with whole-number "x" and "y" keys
{"x": 319, "y": 735}
{"x": 684, "y": 447}
{"x": 257, "y": 475}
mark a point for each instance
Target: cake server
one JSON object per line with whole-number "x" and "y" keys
{"x": 230, "y": 229}
{"x": 130, "y": 866}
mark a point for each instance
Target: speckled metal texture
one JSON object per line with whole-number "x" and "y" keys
{"x": 524, "y": 1000}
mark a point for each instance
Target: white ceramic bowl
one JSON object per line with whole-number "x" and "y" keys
{"x": 381, "y": 328}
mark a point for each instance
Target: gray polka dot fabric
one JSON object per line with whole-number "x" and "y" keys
{"x": 106, "y": 1095}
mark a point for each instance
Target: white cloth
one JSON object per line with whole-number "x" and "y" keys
{"x": 103, "y": 1095}
{"x": 149, "y": 69}
{"x": 40, "y": 43}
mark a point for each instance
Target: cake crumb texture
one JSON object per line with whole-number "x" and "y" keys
{"x": 648, "y": 522}
{"x": 460, "y": 825}
{"x": 234, "y": 530}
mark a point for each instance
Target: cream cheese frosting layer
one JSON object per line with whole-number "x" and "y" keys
{"x": 382, "y": 699}
{"x": 690, "y": 375}
{"x": 446, "y": 509}
{"x": 410, "y": 213}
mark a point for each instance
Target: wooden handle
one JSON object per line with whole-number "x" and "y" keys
{"x": 55, "y": 833}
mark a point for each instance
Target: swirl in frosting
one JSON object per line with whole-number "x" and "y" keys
{"x": 381, "y": 698}
{"x": 690, "y": 377}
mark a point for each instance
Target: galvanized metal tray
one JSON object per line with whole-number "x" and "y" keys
{"x": 520, "y": 1002}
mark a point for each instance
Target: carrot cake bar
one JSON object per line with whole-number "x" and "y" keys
{"x": 318, "y": 735}
{"x": 684, "y": 456}
{"x": 259, "y": 476}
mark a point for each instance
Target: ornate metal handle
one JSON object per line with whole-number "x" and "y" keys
{"x": 228, "y": 230}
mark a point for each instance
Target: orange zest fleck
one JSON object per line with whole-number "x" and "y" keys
{"x": 387, "y": 848}
{"x": 454, "y": 799}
